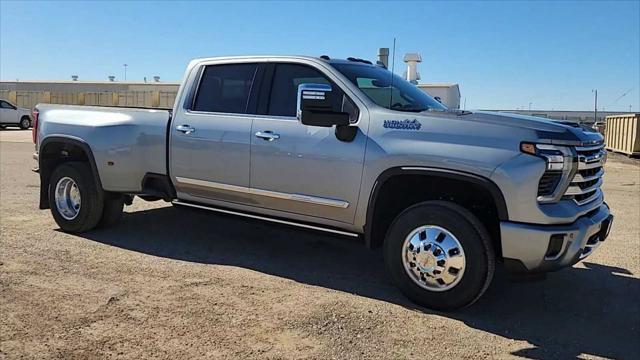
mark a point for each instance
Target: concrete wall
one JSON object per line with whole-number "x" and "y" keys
{"x": 87, "y": 86}
{"x": 28, "y": 94}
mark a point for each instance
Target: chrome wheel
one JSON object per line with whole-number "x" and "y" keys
{"x": 67, "y": 196}
{"x": 433, "y": 258}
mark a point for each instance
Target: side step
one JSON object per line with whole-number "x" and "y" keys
{"x": 265, "y": 218}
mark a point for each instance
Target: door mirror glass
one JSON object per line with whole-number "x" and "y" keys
{"x": 314, "y": 106}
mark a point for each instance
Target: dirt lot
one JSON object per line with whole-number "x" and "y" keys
{"x": 178, "y": 283}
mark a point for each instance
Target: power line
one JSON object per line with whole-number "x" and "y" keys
{"x": 621, "y": 96}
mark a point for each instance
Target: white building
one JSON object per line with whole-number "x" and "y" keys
{"x": 448, "y": 94}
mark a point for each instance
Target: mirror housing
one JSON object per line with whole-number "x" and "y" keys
{"x": 315, "y": 106}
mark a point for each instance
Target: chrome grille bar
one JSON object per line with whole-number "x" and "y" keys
{"x": 580, "y": 178}
{"x": 576, "y": 190}
{"x": 590, "y": 167}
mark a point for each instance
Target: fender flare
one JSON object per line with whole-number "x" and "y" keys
{"x": 45, "y": 171}
{"x": 484, "y": 182}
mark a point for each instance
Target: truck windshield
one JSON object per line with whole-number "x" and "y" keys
{"x": 398, "y": 94}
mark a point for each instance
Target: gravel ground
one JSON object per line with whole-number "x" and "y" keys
{"x": 176, "y": 283}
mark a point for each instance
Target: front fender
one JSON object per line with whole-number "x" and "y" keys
{"x": 484, "y": 182}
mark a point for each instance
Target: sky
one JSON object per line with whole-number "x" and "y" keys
{"x": 504, "y": 55}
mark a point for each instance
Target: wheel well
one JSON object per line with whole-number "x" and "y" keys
{"x": 25, "y": 116}
{"x": 398, "y": 192}
{"x": 52, "y": 153}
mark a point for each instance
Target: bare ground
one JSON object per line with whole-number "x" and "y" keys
{"x": 176, "y": 283}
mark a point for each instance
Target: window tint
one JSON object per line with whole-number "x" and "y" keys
{"x": 388, "y": 90}
{"x": 225, "y": 88}
{"x": 5, "y": 105}
{"x": 284, "y": 89}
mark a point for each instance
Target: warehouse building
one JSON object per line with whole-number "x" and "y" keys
{"x": 87, "y": 86}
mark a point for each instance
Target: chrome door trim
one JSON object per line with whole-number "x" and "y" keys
{"x": 214, "y": 185}
{"x": 265, "y": 218}
{"x": 274, "y": 194}
{"x": 302, "y": 198}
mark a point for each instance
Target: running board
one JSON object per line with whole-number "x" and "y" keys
{"x": 265, "y": 218}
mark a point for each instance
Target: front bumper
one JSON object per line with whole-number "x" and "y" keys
{"x": 542, "y": 248}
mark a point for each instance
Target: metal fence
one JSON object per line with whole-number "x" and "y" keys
{"x": 28, "y": 99}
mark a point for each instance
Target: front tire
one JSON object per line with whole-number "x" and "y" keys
{"x": 439, "y": 255}
{"x": 25, "y": 123}
{"x": 76, "y": 202}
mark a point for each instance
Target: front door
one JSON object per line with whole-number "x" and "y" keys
{"x": 6, "y": 113}
{"x": 210, "y": 140}
{"x": 304, "y": 169}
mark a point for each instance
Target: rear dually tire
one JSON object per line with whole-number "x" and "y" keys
{"x": 76, "y": 202}
{"x": 112, "y": 209}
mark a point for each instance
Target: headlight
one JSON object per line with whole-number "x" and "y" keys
{"x": 555, "y": 156}
{"x": 561, "y": 165}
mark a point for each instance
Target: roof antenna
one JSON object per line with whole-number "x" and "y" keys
{"x": 393, "y": 66}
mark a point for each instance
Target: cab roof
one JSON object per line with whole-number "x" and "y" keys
{"x": 349, "y": 60}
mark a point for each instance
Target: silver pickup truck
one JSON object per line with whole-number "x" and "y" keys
{"x": 342, "y": 146}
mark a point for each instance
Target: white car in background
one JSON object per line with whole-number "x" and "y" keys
{"x": 11, "y": 115}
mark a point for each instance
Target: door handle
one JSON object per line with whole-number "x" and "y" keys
{"x": 267, "y": 135}
{"x": 185, "y": 129}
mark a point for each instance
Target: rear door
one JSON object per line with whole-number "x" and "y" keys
{"x": 299, "y": 168}
{"x": 210, "y": 137}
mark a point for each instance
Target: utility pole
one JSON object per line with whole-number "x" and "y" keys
{"x": 595, "y": 106}
{"x": 125, "y": 71}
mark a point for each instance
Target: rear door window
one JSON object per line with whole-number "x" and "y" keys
{"x": 225, "y": 88}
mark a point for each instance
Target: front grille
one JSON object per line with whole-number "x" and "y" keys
{"x": 585, "y": 186}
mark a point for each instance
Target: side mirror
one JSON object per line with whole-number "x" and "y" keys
{"x": 315, "y": 106}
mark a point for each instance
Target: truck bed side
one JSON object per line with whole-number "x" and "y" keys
{"x": 125, "y": 143}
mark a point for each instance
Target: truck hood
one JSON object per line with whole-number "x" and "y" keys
{"x": 548, "y": 130}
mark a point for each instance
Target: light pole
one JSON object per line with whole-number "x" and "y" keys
{"x": 595, "y": 106}
{"x": 125, "y": 71}
{"x": 530, "y": 106}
